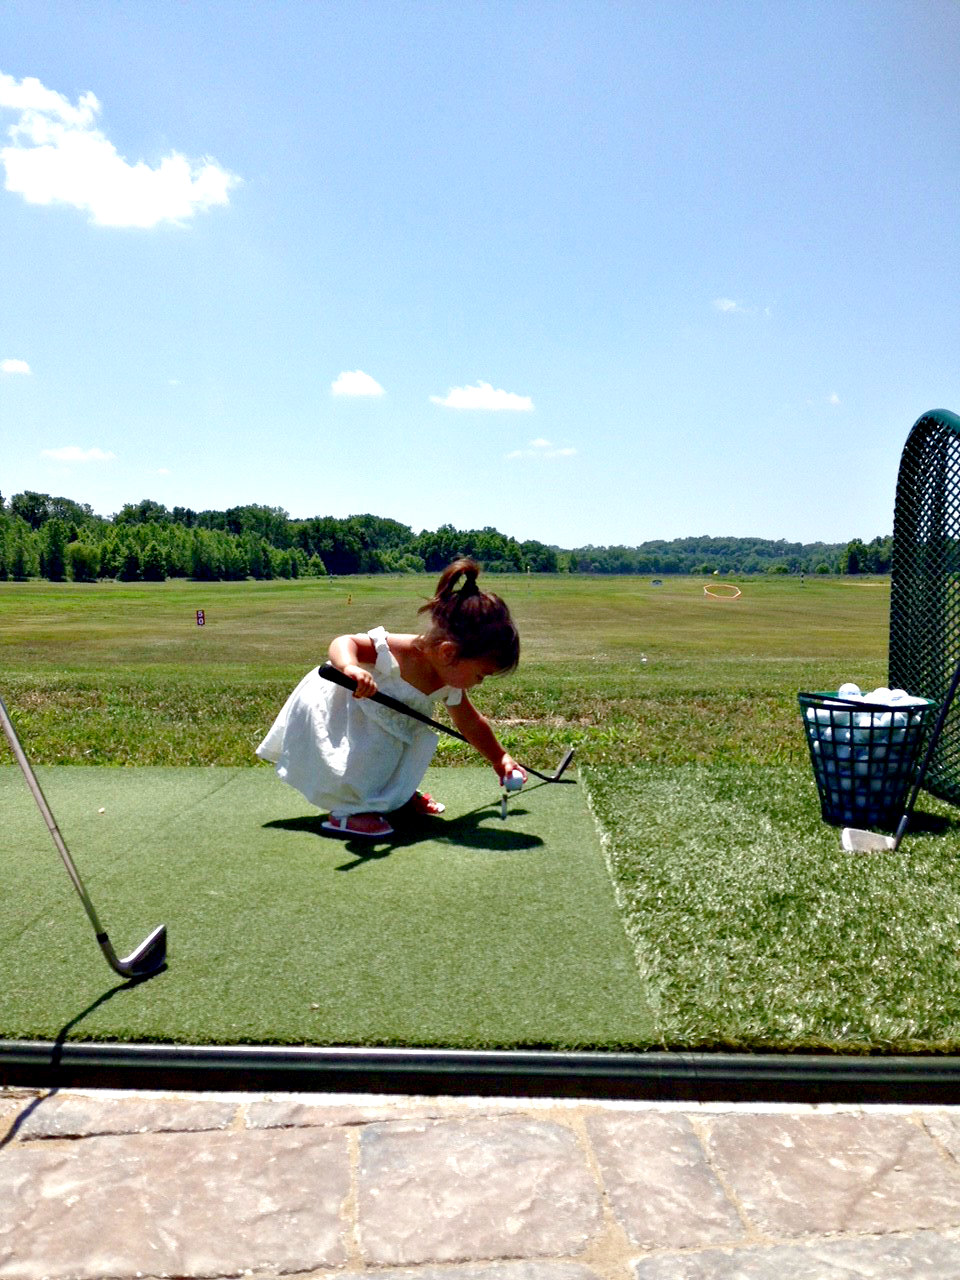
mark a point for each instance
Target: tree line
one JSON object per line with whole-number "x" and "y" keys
{"x": 62, "y": 540}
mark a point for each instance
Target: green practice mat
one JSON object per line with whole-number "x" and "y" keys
{"x": 468, "y": 932}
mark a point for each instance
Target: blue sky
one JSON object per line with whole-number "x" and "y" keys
{"x": 584, "y": 272}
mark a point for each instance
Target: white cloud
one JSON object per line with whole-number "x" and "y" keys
{"x": 14, "y": 366}
{"x": 483, "y": 396}
{"x": 834, "y": 398}
{"x": 357, "y": 383}
{"x": 57, "y": 155}
{"x": 729, "y": 307}
{"x": 73, "y": 453}
{"x": 541, "y": 448}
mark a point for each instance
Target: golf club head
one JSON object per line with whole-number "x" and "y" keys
{"x": 856, "y": 841}
{"x": 563, "y": 763}
{"x": 148, "y": 958}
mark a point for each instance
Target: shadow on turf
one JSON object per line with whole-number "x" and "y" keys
{"x": 61, "y": 1039}
{"x": 930, "y": 824}
{"x": 470, "y": 831}
{"x": 65, "y": 1030}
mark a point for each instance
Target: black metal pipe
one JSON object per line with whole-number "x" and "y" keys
{"x": 686, "y": 1077}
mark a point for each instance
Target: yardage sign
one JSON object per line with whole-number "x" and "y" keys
{"x": 200, "y": 618}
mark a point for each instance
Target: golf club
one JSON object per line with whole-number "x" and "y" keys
{"x": 151, "y": 954}
{"x": 336, "y": 676}
{"x": 855, "y": 840}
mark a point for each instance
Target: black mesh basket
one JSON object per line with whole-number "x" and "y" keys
{"x": 864, "y": 756}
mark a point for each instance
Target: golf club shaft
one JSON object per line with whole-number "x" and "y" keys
{"x": 927, "y": 756}
{"x": 336, "y": 676}
{"x": 152, "y": 946}
{"x": 32, "y": 782}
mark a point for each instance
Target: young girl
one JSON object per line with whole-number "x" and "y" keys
{"x": 362, "y": 760}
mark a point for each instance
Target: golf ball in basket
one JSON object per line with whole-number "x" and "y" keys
{"x": 849, "y": 690}
{"x": 513, "y": 781}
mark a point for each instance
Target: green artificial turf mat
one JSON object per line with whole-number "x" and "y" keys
{"x": 755, "y": 929}
{"x": 468, "y": 932}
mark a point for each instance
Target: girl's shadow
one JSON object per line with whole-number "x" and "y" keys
{"x": 480, "y": 829}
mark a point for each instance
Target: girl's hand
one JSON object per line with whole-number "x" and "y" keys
{"x": 507, "y": 766}
{"x": 366, "y": 685}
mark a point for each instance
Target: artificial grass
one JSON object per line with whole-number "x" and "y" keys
{"x": 469, "y": 932}
{"x": 755, "y": 930}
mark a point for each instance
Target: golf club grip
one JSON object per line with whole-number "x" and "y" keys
{"x": 334, "y": 674}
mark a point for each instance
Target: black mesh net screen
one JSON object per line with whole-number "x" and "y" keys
{"x": 925, "y": 585}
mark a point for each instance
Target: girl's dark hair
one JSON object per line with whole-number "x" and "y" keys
{"x": 478, "y": 622}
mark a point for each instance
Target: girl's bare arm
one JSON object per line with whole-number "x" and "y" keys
{"x": 478, "y": 732}
{"x": 347, "y": 652}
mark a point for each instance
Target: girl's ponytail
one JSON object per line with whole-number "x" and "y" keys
{"x": 462, "y": 568}
{"x": 478, "y": 622}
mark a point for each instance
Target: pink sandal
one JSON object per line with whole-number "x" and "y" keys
{"x": 378, "y": 830}
{"x": 423, "y": 804}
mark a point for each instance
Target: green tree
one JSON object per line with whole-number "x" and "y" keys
{"x": 130, "y": 567}
{"x": 144, "y": 512}
{"x": 23, "y": 560}
{"x": 83, "y": 561}
{"x": 53, "y": 550}
{"x": 854, "y": 557}
{"x": 153, "y": 567}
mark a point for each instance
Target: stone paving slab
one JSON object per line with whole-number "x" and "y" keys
{"x": 85, "y": 1117}
{"x": 944, "y": 1127}
{"x": 920, "y": 1257}
{"x": 139, "y": 1185}
{"x": 283, "y": 1113}
{"x": 183, "y": 1204}
{"x": 795, "y": 1175}
{"x": 458, "y": 1190}
{"x": 662, "y": 1190}
{"x": 491, "y": 1271}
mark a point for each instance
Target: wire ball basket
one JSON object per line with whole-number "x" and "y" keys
{"x": 864, "y": 755}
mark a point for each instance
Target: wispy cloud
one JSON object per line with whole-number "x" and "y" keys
{"x": 14, "y": 366}
{"x": 541, "y": 448}
{"x": 73, "y": 453}
{"x": 357, "y": 383}
{"x": 57, "y": 155}
{"x": 483, "y": 396}
{"x": 730, "y": 307}
{"x": 833, "y": 398}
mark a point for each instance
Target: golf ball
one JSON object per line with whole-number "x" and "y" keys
{"x": 513, "y": 781}
{"x": 849, "y": 690}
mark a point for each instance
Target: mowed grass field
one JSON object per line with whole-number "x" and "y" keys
{"x": 751, "y": 928}
{"x": 122, "y": 674}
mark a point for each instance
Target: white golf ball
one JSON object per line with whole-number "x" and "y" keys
{"x": 513, "y": 781}
{"x": 849, "y": 690}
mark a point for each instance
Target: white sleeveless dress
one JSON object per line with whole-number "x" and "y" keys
{"x": 351, "y": 755}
